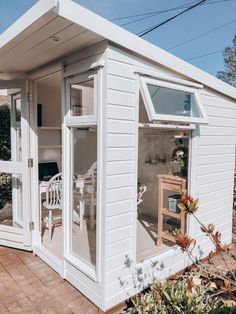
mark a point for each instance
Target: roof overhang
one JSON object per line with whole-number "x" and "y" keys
{"x": 53, "y": 29}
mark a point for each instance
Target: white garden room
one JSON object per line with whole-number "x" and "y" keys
{"x": 99, "y": 133}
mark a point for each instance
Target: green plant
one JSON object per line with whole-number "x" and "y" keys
{"x": 5, "y": 136}
{"x": 187, "y": 295}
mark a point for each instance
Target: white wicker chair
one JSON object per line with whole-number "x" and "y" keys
{"x": 53, "y": 199}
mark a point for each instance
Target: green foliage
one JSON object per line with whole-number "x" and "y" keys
{"x": 171, "y": 297}
{"x": 229, "y": 75}
{"x": 224, "y": 310}
{"x": 5, "y": 136}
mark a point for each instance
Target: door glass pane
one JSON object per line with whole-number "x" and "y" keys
{"x": 82, "y": 98}
{"x": 173, "y": 102}
{"x": 84, "y": 196}
{"x": 10, "y": 125}
{"x": 11, "y": 210}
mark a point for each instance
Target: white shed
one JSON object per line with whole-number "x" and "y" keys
{"x": 101, "y": 131}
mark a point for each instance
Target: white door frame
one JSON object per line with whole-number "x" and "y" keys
{"x": 13, "y": 236}
{"x": 52, "y": 260}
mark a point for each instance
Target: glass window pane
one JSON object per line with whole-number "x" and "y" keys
{"x": 10, "y": 125}
{"x": 84, "y": 194}
{"x": 161, "y": 153}
{"x": 11, "y": 210}
{"x": 82, "y": 98}
{"x": 173, "y": 102}
{"x": 17, "y": 108}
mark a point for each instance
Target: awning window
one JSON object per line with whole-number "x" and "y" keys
{"x": 165, "y": 101}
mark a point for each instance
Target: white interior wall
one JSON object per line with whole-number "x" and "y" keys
{"x": 49, "y": 135}
{"x": 217, "y": 139}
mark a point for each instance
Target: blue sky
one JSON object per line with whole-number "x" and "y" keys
{"x": 193, "y": 23}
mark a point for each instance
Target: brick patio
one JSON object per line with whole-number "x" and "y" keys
{"x": 28, "y": 285}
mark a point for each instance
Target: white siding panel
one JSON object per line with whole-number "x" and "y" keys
{"x": 114, "y": 262}
{"x": 121, "y": 126}
{"x": 216, "y": 195}
{"x": 218, "y": 131}
{"x": 121, "y": 247}
{"x": 120, "y": 194}
{"x": 212, "y": 178}
{"x": 121, "y": 84}
{"x": 121, "y": 207}
{"x": 222, "y": 121}
{"x": 119, "y": 221}
{"x": 116, "y": 154}
{"x": 215, "y": 159}
{"x": 120, "y": 98}
{"x": 120, "y": 140}
{"x": 120, "y": 180}
{"x": 216, "y": 168}
{"x": 216, "y": 140}
{"x": 120, "y": 167}
{"x": 120, "y": 69}
{"x": 215, "y": 150}
{"x": 119, "y": 234}
{"x": 120, "y": 112}
{"x": 220, "y": 112}
{"x": 217, "y": 186}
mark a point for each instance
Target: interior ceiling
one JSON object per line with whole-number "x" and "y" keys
{"x": 49, "y": 38}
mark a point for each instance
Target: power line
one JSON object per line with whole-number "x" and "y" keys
{"x": 204, "y": 55}
{"x": 145, "y": 32}
{"x": 157, "y": 13}
{"x": 153, "y": 13}
{"x": 201, "y": 35}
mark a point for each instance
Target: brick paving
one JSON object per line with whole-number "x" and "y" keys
{"x": 28, "y": 285}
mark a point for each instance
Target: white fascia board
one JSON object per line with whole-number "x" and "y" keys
{"x": 32, "y": 15}
{"x": 89, "y": 20}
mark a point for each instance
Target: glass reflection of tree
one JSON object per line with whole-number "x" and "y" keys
{"x": 5, "y": 153}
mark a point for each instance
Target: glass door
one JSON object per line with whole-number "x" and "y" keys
{"x": 15, "y": 226}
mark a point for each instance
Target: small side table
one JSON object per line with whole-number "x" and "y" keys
{"x": 173, "y": 184}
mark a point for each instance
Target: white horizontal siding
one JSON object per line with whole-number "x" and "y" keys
{"x": 215, "y": 166}
{"x": 118, "y": 154}
{"x": 121, "y": 207}
{"x": 213, "y": 180}
{"x": 120, "y": 113}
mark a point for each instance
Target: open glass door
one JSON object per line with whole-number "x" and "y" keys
{"x": 15, "y": 226}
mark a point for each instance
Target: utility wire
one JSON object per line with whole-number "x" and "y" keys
{"x": 201, "y": 35}
{"x": 205, "y": 55}
{"x": 145, "y": 32}
{"x": 164, "y": 11}
{"x": 150, "y": 15}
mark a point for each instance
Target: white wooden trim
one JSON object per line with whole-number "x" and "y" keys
{"x": 166, "y": 77}
{"x": 48, "y": 257}
{"x": 69, "y": 123}
{"x": 38, "y": 10}
{"x": 21, "y": 168}
{"x": 85, "y": 76}
{"x": 45, "y": 71}
{"x": 167, "y": 126}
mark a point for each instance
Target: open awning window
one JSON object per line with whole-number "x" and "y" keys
{"x": 165, "y": 101}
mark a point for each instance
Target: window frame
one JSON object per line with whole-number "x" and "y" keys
{"x": 70, "y": 122}
{"x": 73, "y": 120}
{"x": 154, "y": 116}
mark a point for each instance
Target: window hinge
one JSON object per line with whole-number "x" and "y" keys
{"x": 31, "y": 226}
{"x": 29, "y": 97}
{"x": 30, "y": 163}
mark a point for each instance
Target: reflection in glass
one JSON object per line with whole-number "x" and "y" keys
{"x": 10, "y": 125}
{"x": 84, "y": 155}
{"x": 169, "y": 101}
{"x": 82, "y": 98}
{"x": 11, "y": 210}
